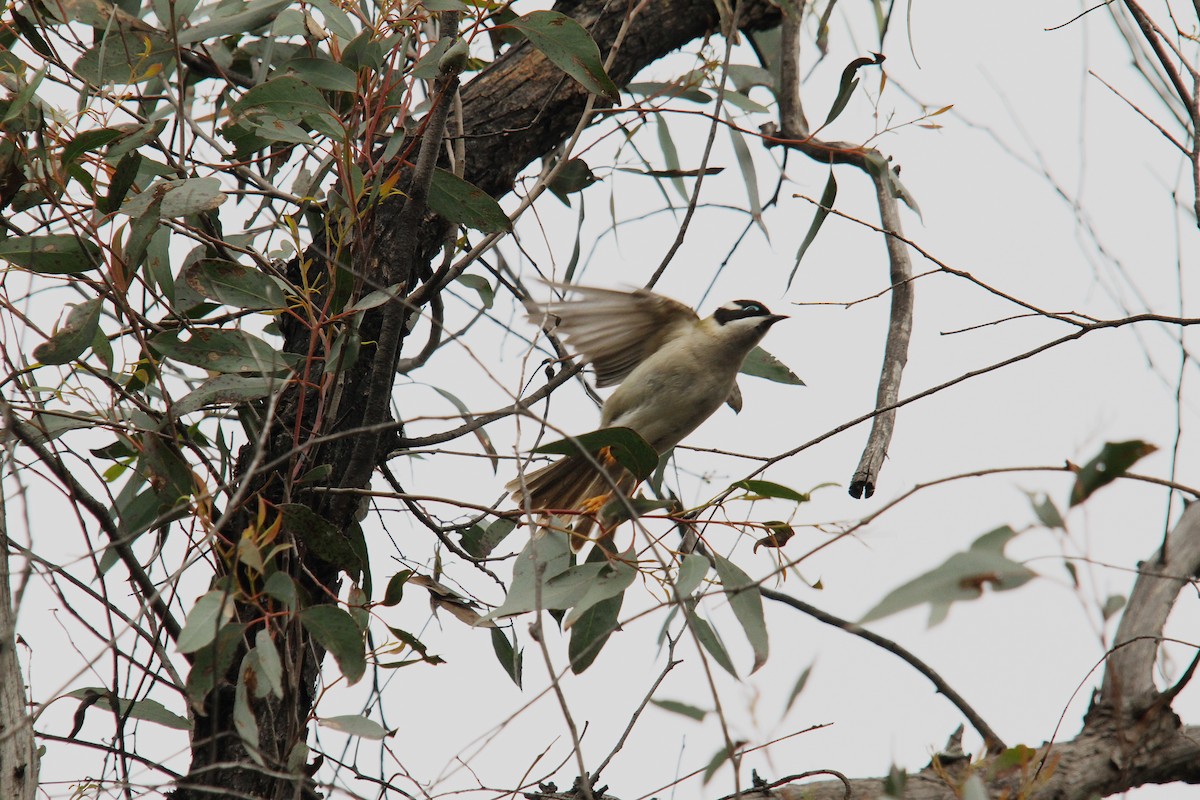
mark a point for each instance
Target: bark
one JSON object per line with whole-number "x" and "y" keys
{"x": 18, "y": 752}
{"x": 517, "y": 110}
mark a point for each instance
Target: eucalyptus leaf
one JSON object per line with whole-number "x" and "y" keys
{"x": 335, "y": 630}
{"x": 569, "y": 46}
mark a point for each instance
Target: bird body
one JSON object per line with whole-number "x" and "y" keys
{"x": 674, "y": 369}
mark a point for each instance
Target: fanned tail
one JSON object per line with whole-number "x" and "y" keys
{"x": 573, "y": 483}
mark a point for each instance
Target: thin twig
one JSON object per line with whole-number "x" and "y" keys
{"x": 671, "y": 664}
{"x": 993, "y": 742}
{"x": 708, "y": 145}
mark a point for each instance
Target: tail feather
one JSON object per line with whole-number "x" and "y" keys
{"x": 567, "y": 485}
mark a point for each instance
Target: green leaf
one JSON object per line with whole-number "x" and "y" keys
{"x": 480, "y": 542}
{"x": 761, "y": 489}
{"x": 628, "y": 448}
{"x": 212, "y": 660}
{"x": 1113, "y": 461}
{"x": 565, "y": 42}
{"x": 716, "y": 762}
{"x": 270, "y": 666}
{"x": 324, "y": 74}
{"x": 827, "y": 198}
{"x": 464, "y": 203}
{"x": 221, "y": 351}
{"x": 676, "y": 707}
{"x": 801, "y": 682}
{"x": 417, "y": 646}
{"x": 55, "y": 254}
{"x": 355, "y": 725}
{"x": 508, "y": 655}
{"x": 963, "y": 576}
{"x": 692, "y": 570}
{"x": 481, "y": 286}
{"x": 284, "y": 98}
{"x": 709, "y": 640}
{"x": 90, "y": 140}
{"x": 234, "y": 284}
{"x": 335, "y": 630}
{"x": 548, "y": 554}
{"x": 847, "y": 85}
{"x": 747, "y": 606}
{"x": 591, "y": 631}
{"x": 620, "y": 508}
{"x": 123, "y": 176}
{"x": 72, "y": 337}
{"x": 132, "y": 56}
{"x": 574, "y": 176}
{"x": 210, "y": 612}
{"x": 222, "y": 389}
{"x": 749, "y": 175}
{"x": 612, "y": 579}
{"x": 485, "y": 440}
{"x": 321, "y": 537}
{"x": 1045, "y": 510}
{"x": 1112, "y": 604}
{"x": 244, "y": 721}
{"x": 658, "y": 89}
{"x": 179, "y": 198}
{"x": 146, "y": 709}
{"x": 761, "y": 364}
{"x": 255, "y": 15}
{"x": 394, "y": 592}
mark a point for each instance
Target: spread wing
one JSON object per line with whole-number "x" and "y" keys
{"x": 614, "y": 330}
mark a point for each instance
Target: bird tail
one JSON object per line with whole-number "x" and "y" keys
{"x": 574, "y": 485}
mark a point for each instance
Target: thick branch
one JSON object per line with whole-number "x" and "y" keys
{"x": 18, "y": 753}
{"x": 1129, "y": 677}
{"x": 895, "y": 353}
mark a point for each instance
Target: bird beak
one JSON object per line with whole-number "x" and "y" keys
{"x": 773, "y": 318}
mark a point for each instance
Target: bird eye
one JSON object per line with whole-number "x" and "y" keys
{"x": 753, "y": 308}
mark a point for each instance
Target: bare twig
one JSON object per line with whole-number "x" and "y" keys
{"x": 993, "y": 742}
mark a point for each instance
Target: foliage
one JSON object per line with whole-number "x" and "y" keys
{"x": 228, "y": 226}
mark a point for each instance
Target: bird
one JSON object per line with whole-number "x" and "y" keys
{"x": 674, "y": 370}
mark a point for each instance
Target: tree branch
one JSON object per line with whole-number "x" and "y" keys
{"x": 1129, "y": 677}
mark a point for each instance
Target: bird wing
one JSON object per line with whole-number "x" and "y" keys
{"x": 614, "y": 330}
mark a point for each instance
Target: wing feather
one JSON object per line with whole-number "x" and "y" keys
{"x": 614, "y": 330}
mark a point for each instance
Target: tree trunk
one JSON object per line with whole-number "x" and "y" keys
{"x": 18, "y": 754}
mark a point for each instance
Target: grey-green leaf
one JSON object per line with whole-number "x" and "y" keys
{"x": 628, "y": 448}
{"x": 210, "y": 612}
{"x": 963, "y": 576}
{"x": 234, "y": 284}
{"x": 676, "y": 707}
{"x": 761, "y": 364}
{"x": 570, "y": 47}
{"x": 747, "y": 606}
{"x": 224, "y": 389}
{"x": 72, "y": 337}
{"x": 508, "y": 655}
{"x": 221, "y": 350}
{"x": 355, "y": 725}
{"x": 464, "y": 203}
{"x": 336, "y": 631}
{"x": 827, "y": 198}
{"x": 710, "y": 641}
{"x": 54, "y": 254}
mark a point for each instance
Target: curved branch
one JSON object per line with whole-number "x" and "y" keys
{"x": 1128, "y": 684}
{"x": 993, "y": 742}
